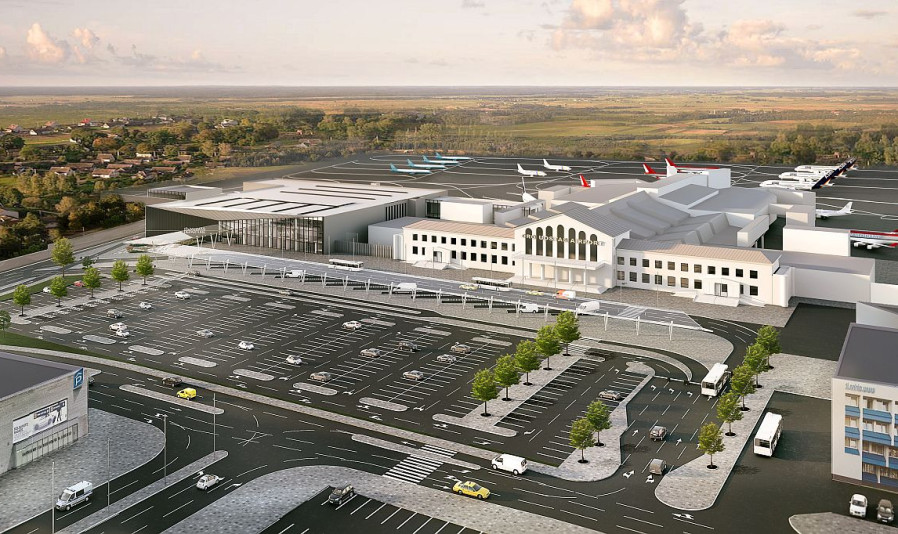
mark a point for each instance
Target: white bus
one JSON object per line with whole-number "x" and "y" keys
{"x": 716, "y": 379}
{"x": 489, "y": 283}
{"x": 768, "y": 434}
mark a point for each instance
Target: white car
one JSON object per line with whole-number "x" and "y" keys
{"x": 413, "y": 375}
{"x": 352, "y": 325}
{"x": 122, "y": 333}
{"x": 46, "y": 289}
{"x": 294, "y": 274}
{"x": 446, "y": 358}
{"x": 207, "y": 481}
{"x": 371, "y": 353}
{"x": 246, "y": 345}
{"x": 145, "y": 306}
{"x": 858, "y": 505}
{"x": 115, "y": 327}
{"x": 294, "y": 360}
{"x": 182, "y": 295}
{"x": 204, "y": 333}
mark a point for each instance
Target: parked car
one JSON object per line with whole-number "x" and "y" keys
{"x": 528, "y": 307}
{"x": 145, "y": 306}
{"x": 858, "y": 505}
{"x": 446, "y": 358}
{"x": 884, "y": 511}
{"x": 294, "y": 273}
{"x": 294, "y": 360}
{"x": 182, "y": 295}
{"x": 207, "y": 481}
{"x": 246, "y": 345}
{"x": 468, "y": 287}
{"x": 352, "y": 325}
{"x": 408, "y": 345}
{"x": 115, "y": 327}
{"x": 79, "y": 283}
{"x": 371, "y": 352}
{"x": 535, "y": 293}
{"x": 187, "y": 393}
{"x": 471, "y": 489}
{"x": 74, "y": 495}
{"x": 122, "y": 333}
{"x": 413, "y": 375}
{"x": 113, "y": 314}
{"x": 658, "y": 433}
{"x": 172, "y": 381}
{"x": 460, "y": 348}
{"x": 204, "y": 333}
{"x": 610, "y": 394}
{"x": 46, "y": 289}
{"x": 657, "y": 467}
{"x": 285, "y": 292}
{"x": 321, "y": 376}
{"x": 341, "y": 494}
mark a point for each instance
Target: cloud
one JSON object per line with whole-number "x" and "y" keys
{"x": 473, "y": 4}
{"x": 43, "y": 48}
{"x": 86, "y": 37}
{"x": 868, "y": 13}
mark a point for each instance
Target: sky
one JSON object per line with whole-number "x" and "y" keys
{"x": 449, "y": 43}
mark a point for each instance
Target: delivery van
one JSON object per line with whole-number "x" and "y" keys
{"x": 565, "y": 294}
{"x": 74, "y": 495}
{"x": 405, "y": 287}
{"x": 513, "y": 464}
{"x": 590, "y": 306}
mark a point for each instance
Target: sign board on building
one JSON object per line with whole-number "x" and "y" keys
{"x": 78, "y": 379}
{"x": 40, "y": 420}
{"x": 199, "y": 231}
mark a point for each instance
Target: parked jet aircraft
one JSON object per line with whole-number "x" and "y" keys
{"x": 529, "y": 173}
{"x": 823, "y": 180}
{"x": 414, "y": 165}
{"x": 394, "y": 168}
{"x": 673, "y": 168}
{"x": 841, "y": 168}
{"x": 525, "y": 196}
{"x": 440, "y": 161}
{"x": 871, "y": 240}
{"x": 826, "y": 214}
{"x": 811, "y": 176}
{"x": 652, "y": 172}
{"x": 456, "y": 158}
{"x": 555, "y": 167}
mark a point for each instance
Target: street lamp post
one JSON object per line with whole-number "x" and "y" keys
{"x": 165, "y": 449}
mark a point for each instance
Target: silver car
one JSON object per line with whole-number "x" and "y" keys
{"x": 446, "y": 358}
{"x": 413, "y": 375}
{"x": 321, "y": 376}
{"x": 371, "y": 353}
{"x": 460, "y": 348}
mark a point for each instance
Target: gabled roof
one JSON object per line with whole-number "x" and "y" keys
{"x": 598, "y": 222}
{"x": 462, "y": 228}
{"x": 745, "y": 255}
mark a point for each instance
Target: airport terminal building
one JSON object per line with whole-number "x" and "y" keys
{"x": 43, "y": 407}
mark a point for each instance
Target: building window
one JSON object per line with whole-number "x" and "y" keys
{"x": 657, "y": 264}
{"x": 645, "y": 263}
{"x": 464, "y": 242}
{"x": 504, "y": 260}
{"x": 494, "y": 259}
{"x": 620, "y": 275}
{"x": 443, "y": 240}
{"x": 697, "y": 269}
{"x": 432, "y": 209}
{"x": 696, "y": 284}
{"x": 483, "y": 244}
{"x": 453, "y": 255}
{"x": 452, "y": 242}
{"x": 877, "y": 404}
{"x": 671, "y": 281}
{"x": 724, "y": 271}
{"x": 659, "y": 279}
{"x": 852, "y": 400}
{"x": 712, "y": 269}
{"x": 433, "y": 239}
{"x": 483, "y": 258}
{"x": 753, "y": 291}
{"x": 632, "y": 277}
{"x": 739, "y": 273}
{"x": 464, "y": 255}
{"x": 504, "y": 246}
{"x": 494, "y": 246}
{"x": 851, "y": 443}
{"x": 414, "y": 250}
{"x": 646, "y": 278}
{"x": 414, "y": 237}
{"x": 684, "y": 267}
{"x": 671, "y": 266}
{"x": 423, "y": 250}
{"x": 851, "y": 422}
{"x": 753, "y": 274}
{"x": 684, "y": 282}
{"x": 620, "y": 260}
{"x": 632, "y": 262}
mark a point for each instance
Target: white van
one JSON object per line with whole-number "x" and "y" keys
{"x": 405, "y": 287}
{"x": 74, "y": 495}
{"x": 565, "y": 294}
{"x": 528, "y": 307}
{"x": 295, "y": 273}
{"x": 513, "y": 464}
{"x": 590, "y": 306}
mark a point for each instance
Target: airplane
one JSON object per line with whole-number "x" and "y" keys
{"x": 871, "y": 240}
{"x": 424, "y": 165}
{"x": 394, "y": 168}
{"x": 842, "y": 168}
{"x": 824, "y": 180}
{"x": 456, "y": 158}
{"x": 555, "y": 167}
{"x": 530, "y": 173}
{"x": 685, "y": 168}
{"x": 812, "y": 176}
{"x": 652, "y": 172}
{"x": 440, "y": 161}
{"x": 584, "y": 183}
{"x": 525, "y": 196}
{"x": 826, "y": 214}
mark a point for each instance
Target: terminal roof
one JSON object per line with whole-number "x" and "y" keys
{"x": 21, "y": 372}
{"x": 868, "y": 354}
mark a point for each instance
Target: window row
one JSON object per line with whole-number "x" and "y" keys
{"x": 670, "y": 281}
{"x": 684, "y": 267}
{"x": 869, "y": 403}
{"x": 492, "y": 245}
{"x": 454, "y": 254}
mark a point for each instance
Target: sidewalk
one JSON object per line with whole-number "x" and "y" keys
{"x": 830, "y": 523}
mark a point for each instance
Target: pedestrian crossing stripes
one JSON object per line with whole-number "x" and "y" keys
{"x": 632, "y": 312}
{"x": 437, "y": 450}
{"x": 413, "y": 469}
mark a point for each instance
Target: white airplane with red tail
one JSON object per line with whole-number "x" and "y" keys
{"x": 871, "y": 239}
{"x": 652, "y": 172}
{"x": 673, "y": 168}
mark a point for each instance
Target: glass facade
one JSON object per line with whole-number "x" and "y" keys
{"x": 305, "y": 234}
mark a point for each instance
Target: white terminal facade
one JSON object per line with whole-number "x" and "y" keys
{"x": 690, "y": 234}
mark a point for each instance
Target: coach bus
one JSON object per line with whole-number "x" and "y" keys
{"x": 715, "y": 381}
{"x": 768, "y": 434}
{"x": 490, "y": 283}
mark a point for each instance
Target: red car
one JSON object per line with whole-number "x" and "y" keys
{"x": 79, "y": 283}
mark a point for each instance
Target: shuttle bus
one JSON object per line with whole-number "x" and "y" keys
{"x": 768, "y": 434}
{"x": 489, "y": 283}
{"x": 717, "y": 377}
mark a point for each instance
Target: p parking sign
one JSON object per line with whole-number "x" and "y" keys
{"x": 78, "y": 378}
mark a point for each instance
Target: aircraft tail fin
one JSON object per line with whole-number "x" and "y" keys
{"x": 410, "y": 164}
{"x": 847, "y": 208}
{"x": 583, "y": 181}
{"x": 393, "y": 168}
{"x": 669, "y": 163}
{"x": 648, "y": 170}
{"x": 425, "y": 159}
{"x": 520, "y": 169}
{"x": 438, "y": 155}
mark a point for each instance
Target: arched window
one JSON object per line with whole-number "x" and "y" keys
{"x": 539, "y": 242}
{"x": 550, "y": 251}
{"x": 581, "y": 246}
{"x": 528, "y": 242}
{"x": 560, "y": 242}
{"x": 593, "y": 247}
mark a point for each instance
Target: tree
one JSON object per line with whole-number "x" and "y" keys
{"x": 22, "y": 297}
{"x": 86, "y": 262}
{"x": 547, "y": 343}
{"x": 756, "y": 360}
{"x": 145, "y": 267}
{"x": 743, "y": 383}
{"x": 506, "y": 373}
{"x": 120, "y": 273}
{"x": 581, "y": 437}
{"x": 59, "y": 289}
{"x": 728, "y": 410}
{"x": 769, "y": 338}
{"x": 5, "y": 320}
{"x": 11, "y": 142}
{"x": 62, "y": 254}
{"x": 526, "y": 359}
{"x": 599, "y": 417}
{"x": 484, "y": 388}
{"x": 710, "y": 442}
{"x": 567, "y": 327}
{"x": 91, "y": 279}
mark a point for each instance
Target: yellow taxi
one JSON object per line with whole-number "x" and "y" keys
{"x": 471, "y": 489}
{"x": 187, "y": 393}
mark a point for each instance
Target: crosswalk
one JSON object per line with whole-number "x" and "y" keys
{"x": 414, "y": 468}
{"x": 632, "y": 312}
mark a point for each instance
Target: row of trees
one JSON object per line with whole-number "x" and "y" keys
{"x": 744, "y": 382}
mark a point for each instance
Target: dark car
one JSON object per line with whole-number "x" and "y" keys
{"x": 171, "y": 381}
{"x": 659, "y": 433}
{"x": 610, "y": 394}
{"x": 408, "y": 345}
{"x": 340, "y": 495}
{"x": 884, "y": 512}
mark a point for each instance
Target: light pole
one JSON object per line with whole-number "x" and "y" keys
{"x": 165, "y": 449}
{"x": 108, "y": 476}
{"x": 52, "y": 493}
{"x": 213, "y": 424}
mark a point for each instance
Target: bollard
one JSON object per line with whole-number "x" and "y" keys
{"x": 345, "y": 282}
{"x": 671, "y": 330}
{"x": 491, "y": 304}
{"x": 606, "y": 321}
{"x": 227, "y": 263}
{"x": 637, "y": 325}
{"x": 324, "y": 279}
{"x": 367, "y": 286}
